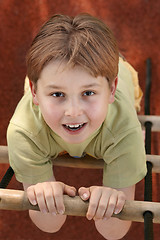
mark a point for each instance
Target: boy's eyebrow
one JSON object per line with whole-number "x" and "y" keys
{"x": 84, "y": 86}
{"x": 53, "y": 86}
{"x": 91, "y": 85}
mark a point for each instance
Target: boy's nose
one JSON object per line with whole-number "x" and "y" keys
{"x": 73, "y": 108}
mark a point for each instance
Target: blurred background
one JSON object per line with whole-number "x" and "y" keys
{"x": 136, "y": 25}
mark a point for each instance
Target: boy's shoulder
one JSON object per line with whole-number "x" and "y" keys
{"x": 27, "y": 116}
{"x": 121, "y": 115}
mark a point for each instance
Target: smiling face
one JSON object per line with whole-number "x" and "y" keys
{"x": 73, "y": 103}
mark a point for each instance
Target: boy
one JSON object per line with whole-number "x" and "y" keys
{"x": 74, "y": 106}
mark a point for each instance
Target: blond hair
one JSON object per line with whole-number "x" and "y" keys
{"x": 81, "y": 40}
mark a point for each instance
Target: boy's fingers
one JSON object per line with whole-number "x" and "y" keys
{"x": 93, "y": 204}
{"x": 58, "y": 197}
{"x": 41, "y": 200}
{"x": 31, "y": 195}
{"x": 49, "y": 199}
{"x": 71, "y": 191}
{"x": 84, "y": 193}
{"x": 111, "y": 206}
{"x": 102, "y": 206}
{"x": 120, "y": 203}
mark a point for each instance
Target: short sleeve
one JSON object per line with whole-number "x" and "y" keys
{"x": 28, "y": 159}
{"x": 125, "y": 160}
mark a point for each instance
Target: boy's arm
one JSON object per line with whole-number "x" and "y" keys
{"x": 115, "y": 228}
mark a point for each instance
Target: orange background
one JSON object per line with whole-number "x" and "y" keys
{"x": 136, "y": 27}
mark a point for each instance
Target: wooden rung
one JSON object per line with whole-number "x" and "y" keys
{"x": 75, "y": 206}
{"x": 155, "y": 120}
{"x": 93, "y": 163}
{"x": 85, "y": 162}
{"x": 155, "y": 160}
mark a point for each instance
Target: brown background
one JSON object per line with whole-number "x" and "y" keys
{"x": 136, "y": 26}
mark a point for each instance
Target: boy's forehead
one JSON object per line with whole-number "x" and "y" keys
{"x": 57, "y": 73}
{"x": 61, "y": 67}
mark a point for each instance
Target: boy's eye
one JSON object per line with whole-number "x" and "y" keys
{"x": 88, "y": 93}
{"x": 58, "y": 94}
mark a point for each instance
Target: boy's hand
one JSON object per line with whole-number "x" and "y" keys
{"x": 49, "y": 196}
{"x": 103, "y": 201}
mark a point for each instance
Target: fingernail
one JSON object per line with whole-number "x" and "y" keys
{"x": 116, "y": 211}
{"x": 85, "y": 196}
{"x": 89, "y": 218}
{"x": 73, "y": 192}
{"x": 34, "y": 202}
{"x": 61, "y": 212}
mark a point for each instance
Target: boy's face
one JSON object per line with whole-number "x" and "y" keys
{"x": 73, "y": 103}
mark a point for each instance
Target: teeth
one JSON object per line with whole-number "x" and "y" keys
{"x": 74, "y": 126}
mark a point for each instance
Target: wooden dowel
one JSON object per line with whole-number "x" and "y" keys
{"x": 155, "y": 120}
{"x": 92, "y": 163}
{"x": 133, "y": 210}
{"x": 155, "y": 160}
{"x": 85, "y": 162}
{"x": 4, "y": 154}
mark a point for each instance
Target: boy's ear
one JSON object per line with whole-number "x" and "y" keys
{"x": 33, "y": 91}
{"x": 113, "y": 90}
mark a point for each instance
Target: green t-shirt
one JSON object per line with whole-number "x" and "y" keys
{"x": 32, "y": 144}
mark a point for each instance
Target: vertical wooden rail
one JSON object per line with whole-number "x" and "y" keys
{"x": 148, "y": 215}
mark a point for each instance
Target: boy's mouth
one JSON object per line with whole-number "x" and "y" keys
{"x": 74, "y": 127}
